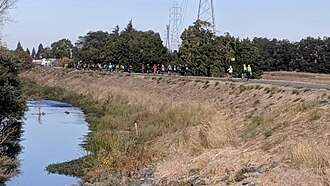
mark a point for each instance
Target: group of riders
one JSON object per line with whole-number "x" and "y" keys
{"x": 247, "y": 72}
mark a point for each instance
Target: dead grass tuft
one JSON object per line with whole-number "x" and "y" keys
{"x": 311, "y": 154}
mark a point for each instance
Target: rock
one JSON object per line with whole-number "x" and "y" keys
{"x": 199, "y": 181}
{"x": 193, "y": 172}
{"x": 217, "y": 181}
{"x": 249, "y": 183}
{"x": 147, "y": 172}
{"x": 217, "y": 157}
{"x": 134, "y": 183}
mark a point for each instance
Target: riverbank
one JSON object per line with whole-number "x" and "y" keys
{"x": 194, "y": 131}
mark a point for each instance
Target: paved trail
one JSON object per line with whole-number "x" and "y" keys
{"x": 261, "y": 81}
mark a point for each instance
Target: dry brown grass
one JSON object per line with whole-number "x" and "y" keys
{"x": 311, "y": 154}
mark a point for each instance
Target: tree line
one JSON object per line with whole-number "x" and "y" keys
{"x": 205, "y": 53}
{"x": 307, "y": 55}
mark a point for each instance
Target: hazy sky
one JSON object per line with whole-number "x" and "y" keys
{"x": 47, "y": 21}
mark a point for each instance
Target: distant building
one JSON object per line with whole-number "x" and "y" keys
{"x": 46, "y": 62}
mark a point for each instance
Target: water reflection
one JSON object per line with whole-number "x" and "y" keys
{"x": 52, "y": 133}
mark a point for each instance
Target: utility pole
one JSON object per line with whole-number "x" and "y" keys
{"x": 175, "y": 22}
{"x": 206, "y": 14}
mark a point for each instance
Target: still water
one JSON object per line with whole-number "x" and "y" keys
{"x": 49, "y": 138}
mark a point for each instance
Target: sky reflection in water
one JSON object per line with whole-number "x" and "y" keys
{"x": 50, "y": 138}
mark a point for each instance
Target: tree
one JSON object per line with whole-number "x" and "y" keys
{"x": 28, "y": 51}
{"x": 210, "y": 55}
{"x": 129, "y": 28}
{"x": 201, "y": 52}
{"x": 90, "y": 48}
{"x": 62, "y": 48}
{"x": 115, "y": 30}
{"x": 19, "y": 47}
{"x": 12, "y": 108}
{"x": 25, "y": 60}
{"x": 40, "y": 52}
{"x": 307, "y": 55}
{"x": 33, "y": 53}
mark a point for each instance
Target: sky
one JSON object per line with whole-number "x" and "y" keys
{"x": 47, "y": 21}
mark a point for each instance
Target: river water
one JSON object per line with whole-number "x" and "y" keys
{"x": 50, "y": 138}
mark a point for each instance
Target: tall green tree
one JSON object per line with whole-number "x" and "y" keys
{"x": 33, "y": 53}
{"x": 28, "y": 51}
{"x": 62, "y": 48}
{"x": 91, "y": 48}
{"x": 19, "y": 47}
{"x": 200, "y": 51}
{"x": 129, "y": 28}
{"x": 209, "y": 55}
{"x": 12, "y": 108}
{"x": 40, "y": 52}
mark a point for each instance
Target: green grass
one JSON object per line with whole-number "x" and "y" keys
{"x": 242, "y": 88}
{"x": 256, "y": 102}
{"x": 296, "y": 91}
{"x": 314, "y": 115}
{"x": 305, "y": 106}
{"x": 240, "y": 175}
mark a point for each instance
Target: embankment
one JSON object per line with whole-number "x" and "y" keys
{"x": 196, "y": 131}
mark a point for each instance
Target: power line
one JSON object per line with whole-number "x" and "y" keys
{"x": 184, "y": 5}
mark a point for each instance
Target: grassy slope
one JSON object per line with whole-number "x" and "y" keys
{"x": 267, "y": 134}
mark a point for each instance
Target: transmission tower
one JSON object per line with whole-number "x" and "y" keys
{"x": 175, "y": 23}
{"x": 168, "y": 43}
{"x": 206, "y": 13}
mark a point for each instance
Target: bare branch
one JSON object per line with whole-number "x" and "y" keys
{"x": 5, "y": 5}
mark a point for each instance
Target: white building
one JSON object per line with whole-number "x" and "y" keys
{"x": 46, "y": 62}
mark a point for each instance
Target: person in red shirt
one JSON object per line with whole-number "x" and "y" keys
{"x": 155, "y": 68}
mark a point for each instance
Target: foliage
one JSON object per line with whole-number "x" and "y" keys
{"x": 62, "y": 48}
{"x": 129, "y": 47}
{"x": 19, "y": 47}
{"x": 12, "y": 108}
{"x": 70, "y": 168}
{"x": 307, "y": 55}
{"x": 66, "y": 60}
{"x": 209, "y": 55}
{"x": 28, "y": 51}
{"x": 25, "y": 60}
{"x": 40, "y": 52}
{"x": 33, "y": 53}
{"x": 8, "y": 168}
